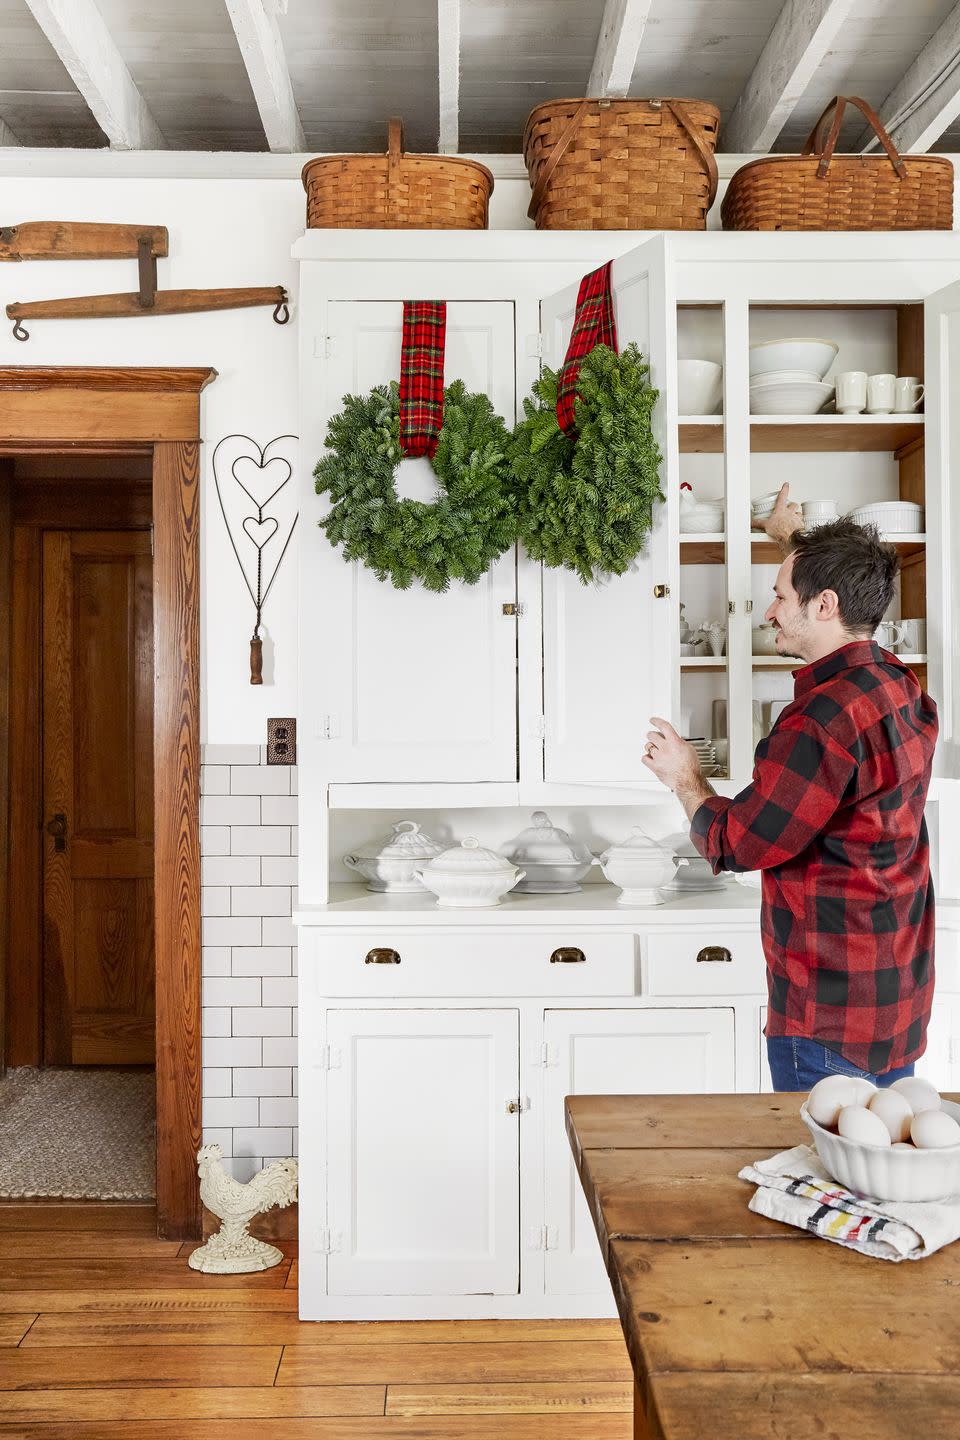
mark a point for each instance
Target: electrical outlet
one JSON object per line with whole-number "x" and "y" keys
{"x": 281, "y": 742}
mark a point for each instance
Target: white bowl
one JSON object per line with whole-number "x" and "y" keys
{"x": 796, "y": 397}
{"x": 882, "y": 1173}
{"x": 803, "y": 353}
{"x": 699, "y": 386}
{"x": 765, "y": 640}
{"x": 901, "y": 517}
{"x": 783, "y": 377}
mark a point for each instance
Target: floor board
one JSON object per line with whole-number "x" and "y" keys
{"x": 105, "y": 1331}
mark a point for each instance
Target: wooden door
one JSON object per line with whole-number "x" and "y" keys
{"x": 610, "y": 649}
{"x": 423, "y": 1154}
{"x": 97, "y": 746}
{"x": 941, "y": 331}
{"x": 616, "y": 1052}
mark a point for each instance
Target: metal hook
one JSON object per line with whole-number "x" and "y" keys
{"x": 281, "y": 311}
{"x": 19, "y": 331}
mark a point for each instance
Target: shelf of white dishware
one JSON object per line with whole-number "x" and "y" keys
{"x": 788, "y": 662}
{"x": 764, "y": 551}
{"x": 703, "y": 662}
{"x": 703, "y": 434}
{"x": 699, "y": 547}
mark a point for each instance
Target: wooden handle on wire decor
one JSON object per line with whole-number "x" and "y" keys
{"x": 256, "y": 660}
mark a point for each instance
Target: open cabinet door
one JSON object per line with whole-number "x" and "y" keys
{"x": 609, "y": 648}
{"x": 941, "y": 324}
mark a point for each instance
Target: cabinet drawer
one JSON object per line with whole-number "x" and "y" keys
{"x": 421, "y": 963}
{"x": 705, "y": 962}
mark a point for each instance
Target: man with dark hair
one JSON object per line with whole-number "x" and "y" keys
{"x": 833, "y": 818}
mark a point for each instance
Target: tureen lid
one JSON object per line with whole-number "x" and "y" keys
{"x": 469, "y": 857}
{"x": 637, "y": 840}
{"x": 544, "y": 844}
{"x": 407, "y": 841}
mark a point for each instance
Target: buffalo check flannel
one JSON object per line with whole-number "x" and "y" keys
{"x": 834, "y": 819}
{"x": 421, "y": 376}
{"x": 593, "y": 324}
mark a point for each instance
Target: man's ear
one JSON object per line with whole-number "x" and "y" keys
{"x": 828, "y": 606}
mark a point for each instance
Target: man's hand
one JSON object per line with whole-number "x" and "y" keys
{"x": 675, "y": 764}
{"x": 785, "y": 521}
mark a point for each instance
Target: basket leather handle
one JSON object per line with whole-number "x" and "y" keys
{"x": 825, "y": 149}
{"x": 679, "y": 113}
{"x": 394, "y": 150}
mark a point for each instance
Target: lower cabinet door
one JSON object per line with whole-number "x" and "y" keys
{"x": 423, "y": 1153}
{"x": 616, "y": 1052}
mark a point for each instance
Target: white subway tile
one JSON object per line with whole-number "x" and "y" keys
{"x": 234, "y": 1110}
{"x": 278, "y": 930}
{"x": 246, "y": 1050}
{"x": 262, "y": 1141}
{"x": 232, "y": 870}
{"x": 277, "y": 870}
{"x": 273, "y": 1080}
{"x": 280, "y": 990}
{"x": 296, "y": 1080}
{"x": 231, "y": 930}
{"x": 259, "y": 780}
{"x": 293, "y": 780}
{"x": 278, "y": 1110}
{"x": 243, "y": 1167}
{"x": 294, "y": 961}
{"x": 295, "y": 1142}
{"x": 259, "y": 839}
{"x": 231, "y": 992}
{"x": 214, "y": 779}
{"x": 279, "y": 1050}
{"x": 217, "y": 1083}
{"x": 214, "y": 839}
{"x": 230, "y": 810}
{"x": 222, "y": 1137}
{"x": 295, "y": 1021}
{"x": 260, "y": 900}
{"x": 261, "y": 960}
{"x": 214, "y": 900}
{"x": 279, "y": 810}
{"x": 261, "y": 1020}
{"x": 215, "y": 1021}
{"x": 215, "y": 960}
{"x": 294, "y": 842}
{"x": 231, "y": 754}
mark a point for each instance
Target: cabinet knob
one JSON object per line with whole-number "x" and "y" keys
{"x": 567, "y": 955}
{"x": 660, "y": 592}
{"x": 710, "y": 954}
{"x": 382, "y": 957}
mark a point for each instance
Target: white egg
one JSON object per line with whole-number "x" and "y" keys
{"x": 902, "y": 1145}
{"x": 894, "y": 1110}
{"x": 856, "y": 1122}
{"x": 920, "y": 1094}
{"x": 932, "y": 1129}
{"x": 863, "y": 1089}
{"x": 828, "y": 1097}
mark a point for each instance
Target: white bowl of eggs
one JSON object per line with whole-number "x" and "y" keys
{"x": 901, "y": 1143}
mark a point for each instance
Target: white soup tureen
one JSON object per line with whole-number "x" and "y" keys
{"x": 554, "y": 862}
{"x": 391, "y": 865}
{"x": 639, "y": 866}
{"x": 468, "y": 876}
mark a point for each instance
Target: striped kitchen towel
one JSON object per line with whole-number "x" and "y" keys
{"x": 794, "y": 1187}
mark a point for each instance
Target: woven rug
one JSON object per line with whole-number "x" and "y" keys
{"x": 83, "y": 1134}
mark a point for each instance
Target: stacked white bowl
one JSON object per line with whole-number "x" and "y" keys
{"x": 786, "y": 376}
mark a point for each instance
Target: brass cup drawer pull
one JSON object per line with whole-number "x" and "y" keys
{"x": 710, "y": 954}
{"x": 382, "y": 957}
{"x": 568, "y": 955}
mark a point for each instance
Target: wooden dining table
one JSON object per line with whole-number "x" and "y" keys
{"x": 739, "y": 1327}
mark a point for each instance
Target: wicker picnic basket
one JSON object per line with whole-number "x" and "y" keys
{"x": 621, "y": 164}
{"x": 818, "y": 190}
{"x": 396, "y": 191}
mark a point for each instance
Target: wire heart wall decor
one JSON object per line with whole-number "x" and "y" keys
{"x": 246, "y": 475}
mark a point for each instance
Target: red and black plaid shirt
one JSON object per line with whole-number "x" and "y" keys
{"x": 834, "y": 819}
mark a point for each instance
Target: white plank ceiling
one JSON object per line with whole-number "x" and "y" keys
{"x": 327, "y": 74}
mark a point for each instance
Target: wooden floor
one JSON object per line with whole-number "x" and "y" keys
{"x": 106, "y": 1334}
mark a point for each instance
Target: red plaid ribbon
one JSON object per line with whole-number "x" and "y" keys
{"x": 593, "y": 325}
{"x": 421, "y": 375}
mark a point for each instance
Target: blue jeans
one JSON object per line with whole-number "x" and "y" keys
{"x": 797, "y": 1063}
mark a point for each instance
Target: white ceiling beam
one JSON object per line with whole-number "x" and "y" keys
{"x": 448, "y": 47}
{"x": 76, "y": 30}
{"x": 927, "y": 100}
{"x": 621, "y": 31}
{"x": 7, "y": 136}
{"x": 802, "y": 34}
{"x": 258, "y": 36}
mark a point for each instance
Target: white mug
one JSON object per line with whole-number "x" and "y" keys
{"x": 914, "y": 637}
{"x": 880, "y": 390}
{"x": 851, "y": 392}
{"x": 907, "y": 393}
{"x": 889, "y": 634}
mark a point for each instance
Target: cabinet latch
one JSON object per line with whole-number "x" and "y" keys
{"x": 518, "y": 1104}
{"x": 511, "y": 609}
{"x": 660, "y": 592}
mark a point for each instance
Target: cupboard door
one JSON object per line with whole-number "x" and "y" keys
{"x": 423, "y": 1156}
{"x": 616, "y": 1052}
{"x": 610, "y": 649}
{"x": 412, "y": 685}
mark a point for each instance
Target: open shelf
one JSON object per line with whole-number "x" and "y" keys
{"x": 776, "y": 433}
{"x": 703, "y": 549}
{"x": 789, "y": 662}
{"x": 710, "y": 549}
{"x": 703, "y": 662}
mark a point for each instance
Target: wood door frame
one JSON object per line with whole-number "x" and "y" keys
{"x": 102, "y": 409}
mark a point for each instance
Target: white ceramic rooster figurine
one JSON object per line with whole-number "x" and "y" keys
{"x": 232, "y": 1251}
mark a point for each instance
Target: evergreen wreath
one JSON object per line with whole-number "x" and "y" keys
{"x": 585, "y": 501}
{"x": 461, "y": 533}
